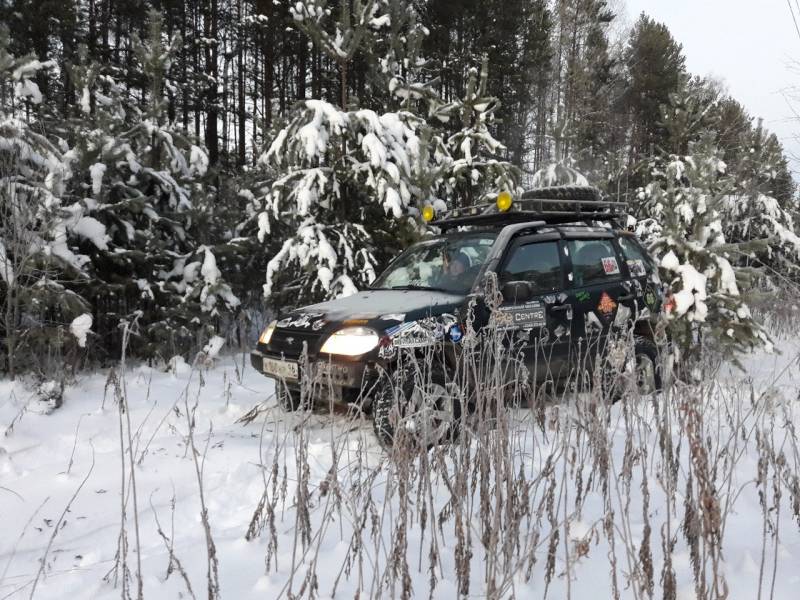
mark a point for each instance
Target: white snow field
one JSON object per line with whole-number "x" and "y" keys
{"x": 542, "y": 523}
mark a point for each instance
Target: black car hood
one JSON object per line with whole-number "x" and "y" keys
{"x": 375, "y": 308}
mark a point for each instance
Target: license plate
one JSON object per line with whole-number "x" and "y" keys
{"x": 282, "y": 369}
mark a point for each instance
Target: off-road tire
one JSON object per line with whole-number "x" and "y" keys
{"x": 614, "y": 385}
{"x": 564, "y": 192}
{"x": 391, "y": 401}
{"x": 291, "y": 400}
{"x": 644, "y": 346}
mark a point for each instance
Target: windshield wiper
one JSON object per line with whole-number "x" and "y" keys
{"x": 419, "y": 287}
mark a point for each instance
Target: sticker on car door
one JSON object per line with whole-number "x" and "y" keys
{"x": 521, "y": 316}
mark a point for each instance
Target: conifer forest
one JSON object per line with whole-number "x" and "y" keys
{"x": 185, "y": 185}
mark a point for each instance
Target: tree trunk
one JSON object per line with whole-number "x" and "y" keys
{"x": 242, "y": 114}
{"x": 212, "y": 116}
{"x": 184, "y": 74}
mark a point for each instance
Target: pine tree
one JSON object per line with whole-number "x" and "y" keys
{"x": 347, "y": 181}
{"x": 475, "y": 172}
{"x": 139, "y": 188}
{"x": 686, "y": 231}
{"x": 656, "y": 67}
{"x": 35, "y": 261}
{"x": 337, "y": 172}
{"x": 760, "y": 207}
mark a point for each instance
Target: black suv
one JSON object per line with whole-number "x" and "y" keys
{"x": 567, "y": 275}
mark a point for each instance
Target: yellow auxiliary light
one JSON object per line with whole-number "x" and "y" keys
{"x": 428, "y": 213}
{"x": 504, "y": 201}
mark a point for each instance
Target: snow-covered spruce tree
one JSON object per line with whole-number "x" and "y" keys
{"x": 760, "y": 205}
{"x": 348, "y": 181}
{"x": 336, "y": 173}
{"x": 17, "y": 87}
{"x": 35, "y": 263}
{"x": 472, "y": 171}
{"x": 138, "y": 185}
{"x": 686, "y": 231}
{"x": 559, "y": 172}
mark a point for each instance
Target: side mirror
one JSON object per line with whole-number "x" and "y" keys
{"x": 516, "y": 292}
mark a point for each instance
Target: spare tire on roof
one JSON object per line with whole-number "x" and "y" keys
{"x": 564, "y": 192}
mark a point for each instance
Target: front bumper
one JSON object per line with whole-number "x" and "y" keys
{"x": 348, "y": 376}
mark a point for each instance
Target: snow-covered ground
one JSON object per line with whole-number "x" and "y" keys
{"x": 46, "y": 459}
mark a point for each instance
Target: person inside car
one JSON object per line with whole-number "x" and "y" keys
{"x": 456, "y": 270}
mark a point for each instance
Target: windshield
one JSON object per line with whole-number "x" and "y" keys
{"x": 449, "y": 264}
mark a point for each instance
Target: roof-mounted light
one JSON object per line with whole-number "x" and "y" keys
{"x": 428, "y": 213}
{"x": 504, "y": 201}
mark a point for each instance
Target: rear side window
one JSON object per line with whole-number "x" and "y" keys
{"x": 639, "y": 264}
{"x": 537, "y": 263}
{"x": 593, "y": 261}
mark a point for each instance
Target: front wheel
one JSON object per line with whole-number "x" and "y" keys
{"x": 415, "y": 404}
{"x": 291, "y": 400}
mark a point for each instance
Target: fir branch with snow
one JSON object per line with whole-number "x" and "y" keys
{"x": 708, "y": 304}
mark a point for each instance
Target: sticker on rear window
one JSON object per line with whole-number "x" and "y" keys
{"x": 636, "y": 267}
{"x": 610, "y": 266}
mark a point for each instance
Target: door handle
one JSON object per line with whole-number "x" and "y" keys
{"x": 625, "y": 298}
{"x": 559, "y": 308}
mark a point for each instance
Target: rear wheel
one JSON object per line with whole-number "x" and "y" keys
{"x": 638, "y": 372}
{"x": 646, "y": 364}
{"x": 423, "y": 408}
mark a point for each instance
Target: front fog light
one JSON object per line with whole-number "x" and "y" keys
{"x": 351, "y": 341}
{"x": 267, "y": 335}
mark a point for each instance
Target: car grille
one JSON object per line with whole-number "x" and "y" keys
{"x": 289, "y": 342}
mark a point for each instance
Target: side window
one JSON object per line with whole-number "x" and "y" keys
{"x": 537, "y": 263}
{"x": 639, "y": 264}
{"x": 593, "y": 261}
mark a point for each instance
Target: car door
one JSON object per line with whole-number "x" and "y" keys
{"x": 601, "y": 290}
{"x": 540, "y": 320}
{"x": 643, "y": 273}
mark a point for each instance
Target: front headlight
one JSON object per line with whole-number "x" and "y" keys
{"x": 267, "y": 335}
{"x": 351, "y": 341}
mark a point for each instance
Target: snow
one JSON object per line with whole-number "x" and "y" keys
{"x": 6, "y": 266}
{"x": 348, "y": 288}
{"x": 86, "y": 104}
{"x": 93, "y": 230}
{"x": 440, "y": 206}
{"x": 178, "y": 367}
{"x": 374, "y": 149}
{"x": 382, "y": 21}
{"x": 692, "y": 295}
{"x": 676, "y": 169}
{"x": 198, "y": 161}
{"x": 558, "y": 174}
{"x": 727, "y": 282}
{"x": 325, "y": 277}
{"x": 214, "y": 345}
{"x": 44, "y": 459}
{"x": 209, "y": 270}
{"x": 80, "y": 328}
{"x": 670, "y": 262}
{"x": 393, "y": 203}
{"x": 96, "y": 172}
{"x": 314, "y": 135}
{"x": 58, "y": 247}
{"x": 213, "y": 285}
{"x": 28, "y": 90}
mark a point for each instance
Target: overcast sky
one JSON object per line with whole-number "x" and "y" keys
{"x": 750, "y": 45}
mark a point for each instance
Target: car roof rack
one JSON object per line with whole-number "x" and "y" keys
{"x": 553, "y": 206}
